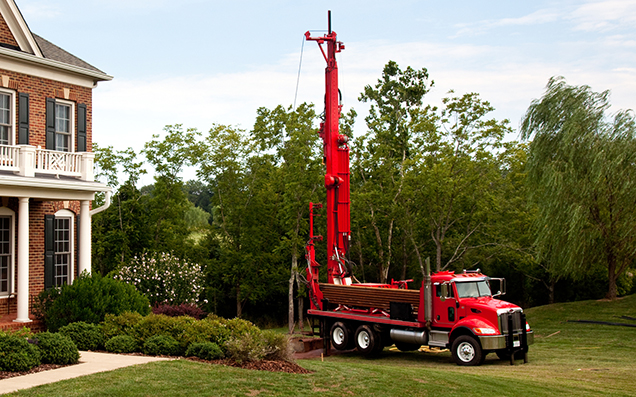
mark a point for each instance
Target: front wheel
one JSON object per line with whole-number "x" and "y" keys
{"x": 467, "y": 351}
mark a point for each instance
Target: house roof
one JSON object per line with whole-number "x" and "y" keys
{"x": 51, "y": 51}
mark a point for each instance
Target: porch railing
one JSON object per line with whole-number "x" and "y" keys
{"x": 26, "y": 160}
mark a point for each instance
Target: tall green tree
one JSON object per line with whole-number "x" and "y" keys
{"x": 582, "y": 179}
{"x": 382, "y": 156}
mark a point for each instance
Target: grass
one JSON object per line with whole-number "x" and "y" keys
{"x": 566, "y": 359}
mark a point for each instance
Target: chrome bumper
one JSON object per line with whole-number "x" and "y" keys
{"x": 497, "y": 342}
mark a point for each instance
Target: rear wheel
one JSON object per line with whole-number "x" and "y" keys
{"x": 340, "y": 336}
{"x": 467, "y": 351}
{"x": 504, "y": 355}
{"x": 367, "y": 340}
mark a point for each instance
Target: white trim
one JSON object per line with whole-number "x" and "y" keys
{"x": 4, "y": 211}
{"x": 12, "y": 114}
{"x": 25, "y": 58}
{"x": 19, "y": 27}
{"x": 64, "y": 213}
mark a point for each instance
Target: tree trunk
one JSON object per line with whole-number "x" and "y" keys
{"x": 301, "y": 304}
{"x": 612, "y": 293}
{"x": 290, "y": 294}
{"x": 239, "y": 307}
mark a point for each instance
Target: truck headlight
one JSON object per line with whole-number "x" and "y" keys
{"x": 485, "y": 331}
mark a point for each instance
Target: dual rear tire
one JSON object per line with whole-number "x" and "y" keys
{"x": 365, "y": 338}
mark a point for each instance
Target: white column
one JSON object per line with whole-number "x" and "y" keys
{"x": 23, "y": 261}
{"x": 85, "y": 237}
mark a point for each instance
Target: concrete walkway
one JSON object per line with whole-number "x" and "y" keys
{"x": 90, "y": 363}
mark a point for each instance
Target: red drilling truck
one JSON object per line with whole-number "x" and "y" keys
{"x": 457, "y": 311}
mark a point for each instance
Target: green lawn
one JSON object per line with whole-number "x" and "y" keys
{"x": 581, "y": 359}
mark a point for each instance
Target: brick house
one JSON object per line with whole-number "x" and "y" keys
{"x": 46, "y": 164}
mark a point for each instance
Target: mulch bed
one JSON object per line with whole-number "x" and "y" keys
{"x": 40, "y": 368}
{"x": 263, "y": 365}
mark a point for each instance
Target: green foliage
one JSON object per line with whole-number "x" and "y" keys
{"x": 23, "y": 332}
{"x": 86, "y": 336}
{"x": 163, "y": 278}
{"x": 57, "y": 348}
{"x": 206, "y": 330}
{"x": 581, "y": 175}
{"x": 278, "y": 347}
{"x": 205, "y": 351}
{"x": 161, "y": 345}
{"x": 122, "y": 344}
{"x": 16, "y": 354}
{"x": 89, "y": 299}
{"x": 247, "y": 347}
{"x": 123, "y": 324}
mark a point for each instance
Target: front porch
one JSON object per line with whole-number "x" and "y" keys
{"x": 8, "y": 323}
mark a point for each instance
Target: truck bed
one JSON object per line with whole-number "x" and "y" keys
{"x": 370, "y": 297}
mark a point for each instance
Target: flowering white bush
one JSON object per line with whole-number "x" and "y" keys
{"x": 163, "y": 278}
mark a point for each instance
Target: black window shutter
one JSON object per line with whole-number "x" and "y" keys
{"x": 23, "y": 119}
{"x": 50, "y": 123}
{"x": 49, "y": 250}
{"x": 81, "y": 127}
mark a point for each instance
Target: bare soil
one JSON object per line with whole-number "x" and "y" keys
{"x": 263, "y": 365}
{"x": 39, "y": 368}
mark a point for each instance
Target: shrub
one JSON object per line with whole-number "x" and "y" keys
{"x": 163, "y": 277}
{"x": 123, "y": 324}
{"x": 239, "y": 327}
{"x": 85, "y": 336}
{"x": 122, "y": 344}
{"x": 277, "y": 346}
{"x": 184, "y": 309}
{"x": 205, "y": 351}
{"x": 16, "y": 354}
{"x": 247, "y": 347}
{"x": 161, "y": 345}
{"x": 57, "y": 348}
{"x": 204, "y": 331}
{"x": 89, "y": 299}
{"x": 158, "y": 324}
{"x": 24, "y": 333}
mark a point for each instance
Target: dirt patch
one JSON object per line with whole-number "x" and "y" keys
{"x": 39, "y": 368}
{"x": 263, "y": 365}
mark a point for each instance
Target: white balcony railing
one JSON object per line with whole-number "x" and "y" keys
{"x": 26, "y": 160}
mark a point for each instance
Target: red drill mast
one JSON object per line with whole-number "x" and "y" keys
{"x": 336, "y": 156}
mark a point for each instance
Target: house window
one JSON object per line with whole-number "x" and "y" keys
{"x": 6, "y": 251}
{"x": 6, "y": 117}
{"x": 63, "y": 127}
{"x": 63, "y": 264}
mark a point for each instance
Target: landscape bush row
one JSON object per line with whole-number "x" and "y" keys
{"x": 22, "y": 350}
{"x": 157, "y": 334}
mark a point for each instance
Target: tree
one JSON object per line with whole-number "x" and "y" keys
{"x": 581, "y": 176}
{"x": 292, "y": 135}
{"x": 383, "y": 155}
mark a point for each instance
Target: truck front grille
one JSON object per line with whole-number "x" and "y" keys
{"x": 516, "y": 322}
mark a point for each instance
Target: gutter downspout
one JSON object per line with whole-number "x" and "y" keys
{"x": 103, "y": 207}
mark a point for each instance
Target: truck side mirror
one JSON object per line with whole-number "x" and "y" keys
{"x": 502, "y": 286}
{"x": 444, "y": 293}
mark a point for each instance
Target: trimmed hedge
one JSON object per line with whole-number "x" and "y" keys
{"x": 88, "y": 299}
{"x": 85, "y": 336}
{"x": 16, "y": 354}
{"x": 161, "y": 345}
{"x": 122, "y": 344}
{"x": 205, "y": 351}
{"x": 57, "y": 348}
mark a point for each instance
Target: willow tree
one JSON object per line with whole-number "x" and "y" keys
{"x": 582, "y": 176}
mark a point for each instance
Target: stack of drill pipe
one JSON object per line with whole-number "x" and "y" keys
{"x": 369, "y": 297}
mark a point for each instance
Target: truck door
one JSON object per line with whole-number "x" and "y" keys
{"x": 445, "y": 306}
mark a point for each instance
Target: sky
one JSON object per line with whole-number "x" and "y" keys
{"x": 205, "y": 62}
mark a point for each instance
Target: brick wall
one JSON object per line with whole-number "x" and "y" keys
{"x": 39, "y": 89}
{"x": 6, "y": 37}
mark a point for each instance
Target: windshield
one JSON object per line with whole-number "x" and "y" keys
{"x": 473, "y": 289}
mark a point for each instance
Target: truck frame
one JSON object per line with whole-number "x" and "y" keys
{"x": 457, "y": 311}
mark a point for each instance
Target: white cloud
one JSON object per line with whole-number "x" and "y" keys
{"x": 605, "y": 15}
{"x": 538, "y": 17}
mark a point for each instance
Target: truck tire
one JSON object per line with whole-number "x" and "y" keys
{"x": 406, "y": 347}
{"x": 367, "y": 340}
{"x": 467, "y": 351}
{"x": 505, "y": 356}
{"x": 341, "y": 336}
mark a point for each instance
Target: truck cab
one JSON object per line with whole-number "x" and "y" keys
{"x": 473, "y": 321}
